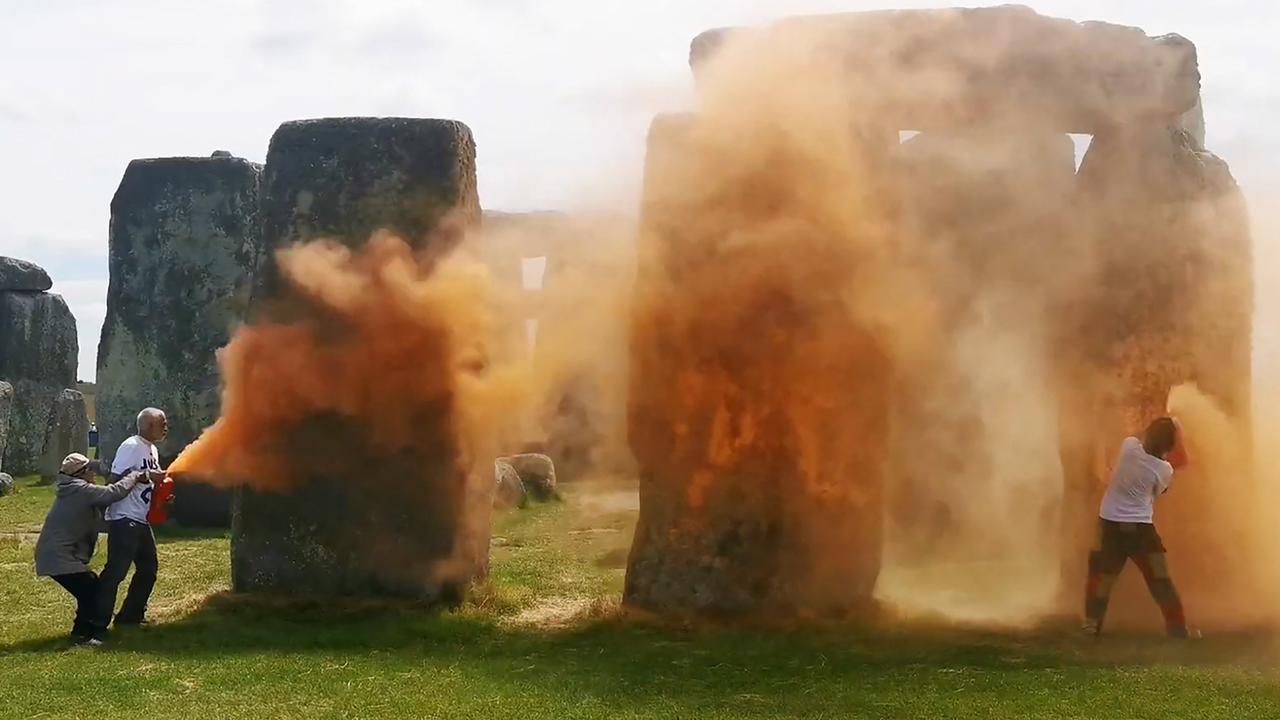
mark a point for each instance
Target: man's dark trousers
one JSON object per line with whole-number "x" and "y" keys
{"x": 129, "y": 542}
{"x": 83, "y": 586}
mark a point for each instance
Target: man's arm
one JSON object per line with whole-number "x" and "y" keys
{"x": 125, "y": 461}
{"x": 1163, "y": 480}
{"x": 103, "y": 495}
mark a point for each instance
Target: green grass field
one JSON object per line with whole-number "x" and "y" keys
{"x": 545, "y": 639}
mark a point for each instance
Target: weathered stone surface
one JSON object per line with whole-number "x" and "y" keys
{"x": 760, "y": 451}
{"x": 359, "y": 524}
{"x": 39, "y": 340}
{"x": 67, "y": 431}
{"x": 6, "y": 484}
{"x": 1003, "y": 66}
{"x": 509, "y": 491}
{"x": 537, "y": 473}
{"x": 38, "y": 351}
{"x": 28, "y": 422}
{"x": 6, "y": 412}
{"x": 183, "y": 248}
{"x": 23, "y": 276}
{"x": 362, "y": 521}
{"x": 347, "y": 177}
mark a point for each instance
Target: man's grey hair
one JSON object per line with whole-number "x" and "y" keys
{"x": 146, "y": 414}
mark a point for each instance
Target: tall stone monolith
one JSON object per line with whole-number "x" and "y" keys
{"x": 758, "y": 404}
{"x": 183, "y": 247}
{"x": 360, "y": 520}
{"x": 38, "y": 352}
{"x": 66, "y": 432}
{"x": 6, "y": 411}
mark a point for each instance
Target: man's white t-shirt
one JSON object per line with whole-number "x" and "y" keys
{"x": 1138, "y": 478}
{"x": 136, "y": 453}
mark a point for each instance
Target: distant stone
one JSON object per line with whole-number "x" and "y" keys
{"x": 221, "y": 154}
{"x": 183, "y": 247}
{"x": 66, "y": 432}
{"x": 22, "y": 276}
{"x": 509, "y": 489}
{"x": 38, "y": 359}
{"x": 6, "y": 411}
{"x": 39, "y": 339}
{"x": 28, "y": 422}
{"x": 537, "y": 474}
{"x": 6, "y": 484}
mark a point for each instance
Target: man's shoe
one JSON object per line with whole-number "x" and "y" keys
{"x": 132, "y": 623}
{"x": 1091, "y": 629}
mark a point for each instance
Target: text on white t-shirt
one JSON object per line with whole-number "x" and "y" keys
{"x": 136, "y": 453}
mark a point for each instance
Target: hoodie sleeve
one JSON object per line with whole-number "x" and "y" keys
{"x": 103, "y": 495}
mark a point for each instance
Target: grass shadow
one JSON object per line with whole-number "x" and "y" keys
{"x": 229, "y": 624}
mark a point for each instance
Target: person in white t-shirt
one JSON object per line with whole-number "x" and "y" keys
{"x": 130, "y": 541}
{"x": 1126, "y": 528}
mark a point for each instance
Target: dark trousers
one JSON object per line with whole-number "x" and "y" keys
{"x": 83, "y": 586}
{"x": 1116, "y": 544}
{"x": 128, "y": 543}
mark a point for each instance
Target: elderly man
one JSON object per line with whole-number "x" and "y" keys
{"x": 70, "y": 533}
{"x": 130, "y": 541}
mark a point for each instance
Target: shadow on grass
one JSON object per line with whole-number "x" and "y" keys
{"x": 630, "y": 647}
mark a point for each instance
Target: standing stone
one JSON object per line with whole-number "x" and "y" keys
{"x": 6, "y": 412}
{"x": 509, "y": 490}
{"x": 6, "y": 484}
{"x": 39, "y": 334}
{"x": 757, "y": 409}
{"x": 382, "y": 523}
{"x": 67, "y": 432}
{"x": 183, "y": 247}
{"x": 38, "y": 350}
{"x": 537, "y": 474}
{"x": 22, "y": 276}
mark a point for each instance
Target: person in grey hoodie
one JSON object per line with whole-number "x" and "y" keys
{"x": 70, "y": 533}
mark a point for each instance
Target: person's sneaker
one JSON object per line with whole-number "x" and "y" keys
{"x": 87, "y": 640}
{"x": 1187, "y": 633}
{"x": 93, "y": 642}
{"x": 1091, "y": 629}
{"x": 132, "y": 623}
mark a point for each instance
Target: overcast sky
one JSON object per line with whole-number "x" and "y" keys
{"x": 559, "y": 93}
